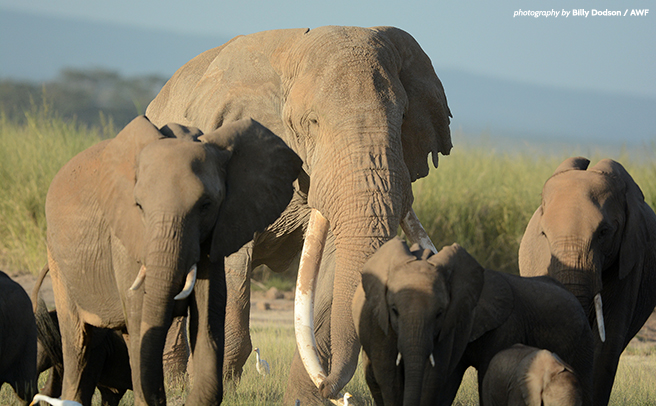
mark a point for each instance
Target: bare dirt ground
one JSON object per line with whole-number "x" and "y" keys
{"x": 278, "y": 307}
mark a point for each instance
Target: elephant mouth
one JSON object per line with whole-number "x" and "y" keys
{"x": 311, "y": 254}
{"x": 190, "y": 281}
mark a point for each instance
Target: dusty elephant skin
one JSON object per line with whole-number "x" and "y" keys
{"x": 594, "y": 233}
{"x": 363, "y": 108}
{"x": 134, "y": 218}
{"x": 18, "y": 340}
{"x": 109, "y": 362}
{"x": 423, "y": 319}
{"x": 523, "y": 375}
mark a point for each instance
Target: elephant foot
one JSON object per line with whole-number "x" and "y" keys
{"x": 300, "y": 386}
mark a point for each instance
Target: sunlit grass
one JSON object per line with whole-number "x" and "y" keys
{"x": 30, "y": 156}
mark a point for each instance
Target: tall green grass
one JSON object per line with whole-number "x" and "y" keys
{"x": 31, "y": 153}
{"x": 483, "y": 195}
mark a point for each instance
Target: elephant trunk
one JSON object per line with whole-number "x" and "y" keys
{"x": 414, "y": 365}
{"x": 579, "y": 269}
{"x": 364, "y": 208}
{"x": 157, "y": 315}
{"x": 163, "y": 277}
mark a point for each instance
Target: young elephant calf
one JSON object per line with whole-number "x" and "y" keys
{"x": 523, "y": 375}
{"x": 423, "y": 319}
{"x": 17, "y": 339}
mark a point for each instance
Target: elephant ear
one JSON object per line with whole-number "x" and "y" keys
{"x": 117, "y": 180}
{"x": 640, "y": 220}
{"x": 465, "y": 279}
{"x": 576, "y": 163}
{"x": 259, "y": 183}
{"x": 426, "y": 125}
{"x": 375, "y": 274}
{"x": 494, "y": 305}
{"x": 534, "y": 250}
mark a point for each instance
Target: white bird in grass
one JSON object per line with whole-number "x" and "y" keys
{"x": 261, "y": 365}
{"x": 53, "y": 401}
{"x": 346, "y": 398}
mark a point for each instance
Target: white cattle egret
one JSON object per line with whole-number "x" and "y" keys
{"x": 261, "y": 365}
{"x": 53, "y": 401}
{"x": 347, "y": 396}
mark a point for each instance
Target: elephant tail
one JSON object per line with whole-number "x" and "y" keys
{"x": 37, "y": 287}
{"x": 48, "y": 335}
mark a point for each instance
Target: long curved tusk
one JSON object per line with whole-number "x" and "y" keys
{"x": 189, "y": 283}
{"x": 600, "y": 317}
{"x": 138, "y": 281}
{"x": 308, "y": 270}
{"x": 398, "y": 359}
{"x": 415, "y": 231}
{"x": 432, "y": 360}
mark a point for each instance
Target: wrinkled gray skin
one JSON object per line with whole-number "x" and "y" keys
{"x": 109, "y": 362}
{"x": 17, "y": 339}
{"x": 447, "y": 305}
{"x": 166, "y": 199}
{"x": 529, "y": 376}
{"x": 363, "y": 108}
{"x": 594, "y": 233}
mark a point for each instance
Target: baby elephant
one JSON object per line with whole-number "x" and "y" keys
{"x": 17, "y": 339}
{"x": 529, "y": 376}
{"x": 424, "y": 318}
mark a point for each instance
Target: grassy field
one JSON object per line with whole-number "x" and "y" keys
{"x": 482, "y": 197}
{"x": 635, "y": 384}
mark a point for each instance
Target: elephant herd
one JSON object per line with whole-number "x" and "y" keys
{"x": 306, "y": 142}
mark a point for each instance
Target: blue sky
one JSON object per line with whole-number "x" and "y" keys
{"x": 615, "y": 54}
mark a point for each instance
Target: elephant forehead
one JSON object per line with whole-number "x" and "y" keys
{"x": 419, "y": 276}
{"x": 579, "y": 187}
{"x": 171, "y": 165}
{"x": 170, "y": 154}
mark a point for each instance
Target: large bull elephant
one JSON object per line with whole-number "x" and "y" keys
{"x": 595, "y": 233}
{"x": 363, "y": 108}
{"x": 134, "y": 218}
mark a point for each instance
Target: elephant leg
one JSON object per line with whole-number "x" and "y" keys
{"x": 53, "y": 385}
{"x": 238, "y": 345}
{"x": 77, "y": 383}
{"x": 110, "y": 396}
{"x": 370, "y": 378}
{"x": 206, "y": 336}
{"x": 176, "y": 350}
{"x": 606, "y": 360}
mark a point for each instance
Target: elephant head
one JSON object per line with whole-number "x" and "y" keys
{"x": 592, "y": 227}
{"x": 362, "y": 107}
{"x": 418, "y": 297}
{"x": 176, "y": 197}
{"x": 523, "y": 375}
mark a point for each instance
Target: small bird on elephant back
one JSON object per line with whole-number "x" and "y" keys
{"x": 594, "y": 232}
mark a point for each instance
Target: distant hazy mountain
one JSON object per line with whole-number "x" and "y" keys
{"x": 518, "y": 110}
{"x": 35, "y": 48}
{"x": 38, "y": 47}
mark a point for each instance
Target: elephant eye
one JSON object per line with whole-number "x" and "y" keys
{"x": 205, "y": 207}
{"x": 395, "y": 311}
{"x": 139, "y": 206}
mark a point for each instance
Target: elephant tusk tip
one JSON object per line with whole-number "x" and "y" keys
{"x": 432, "y": 360}
{"x": 190, "y": 282}
{"x": 398, "y": 359}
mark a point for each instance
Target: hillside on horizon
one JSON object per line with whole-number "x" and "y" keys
{"x": 41, "y": 47}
